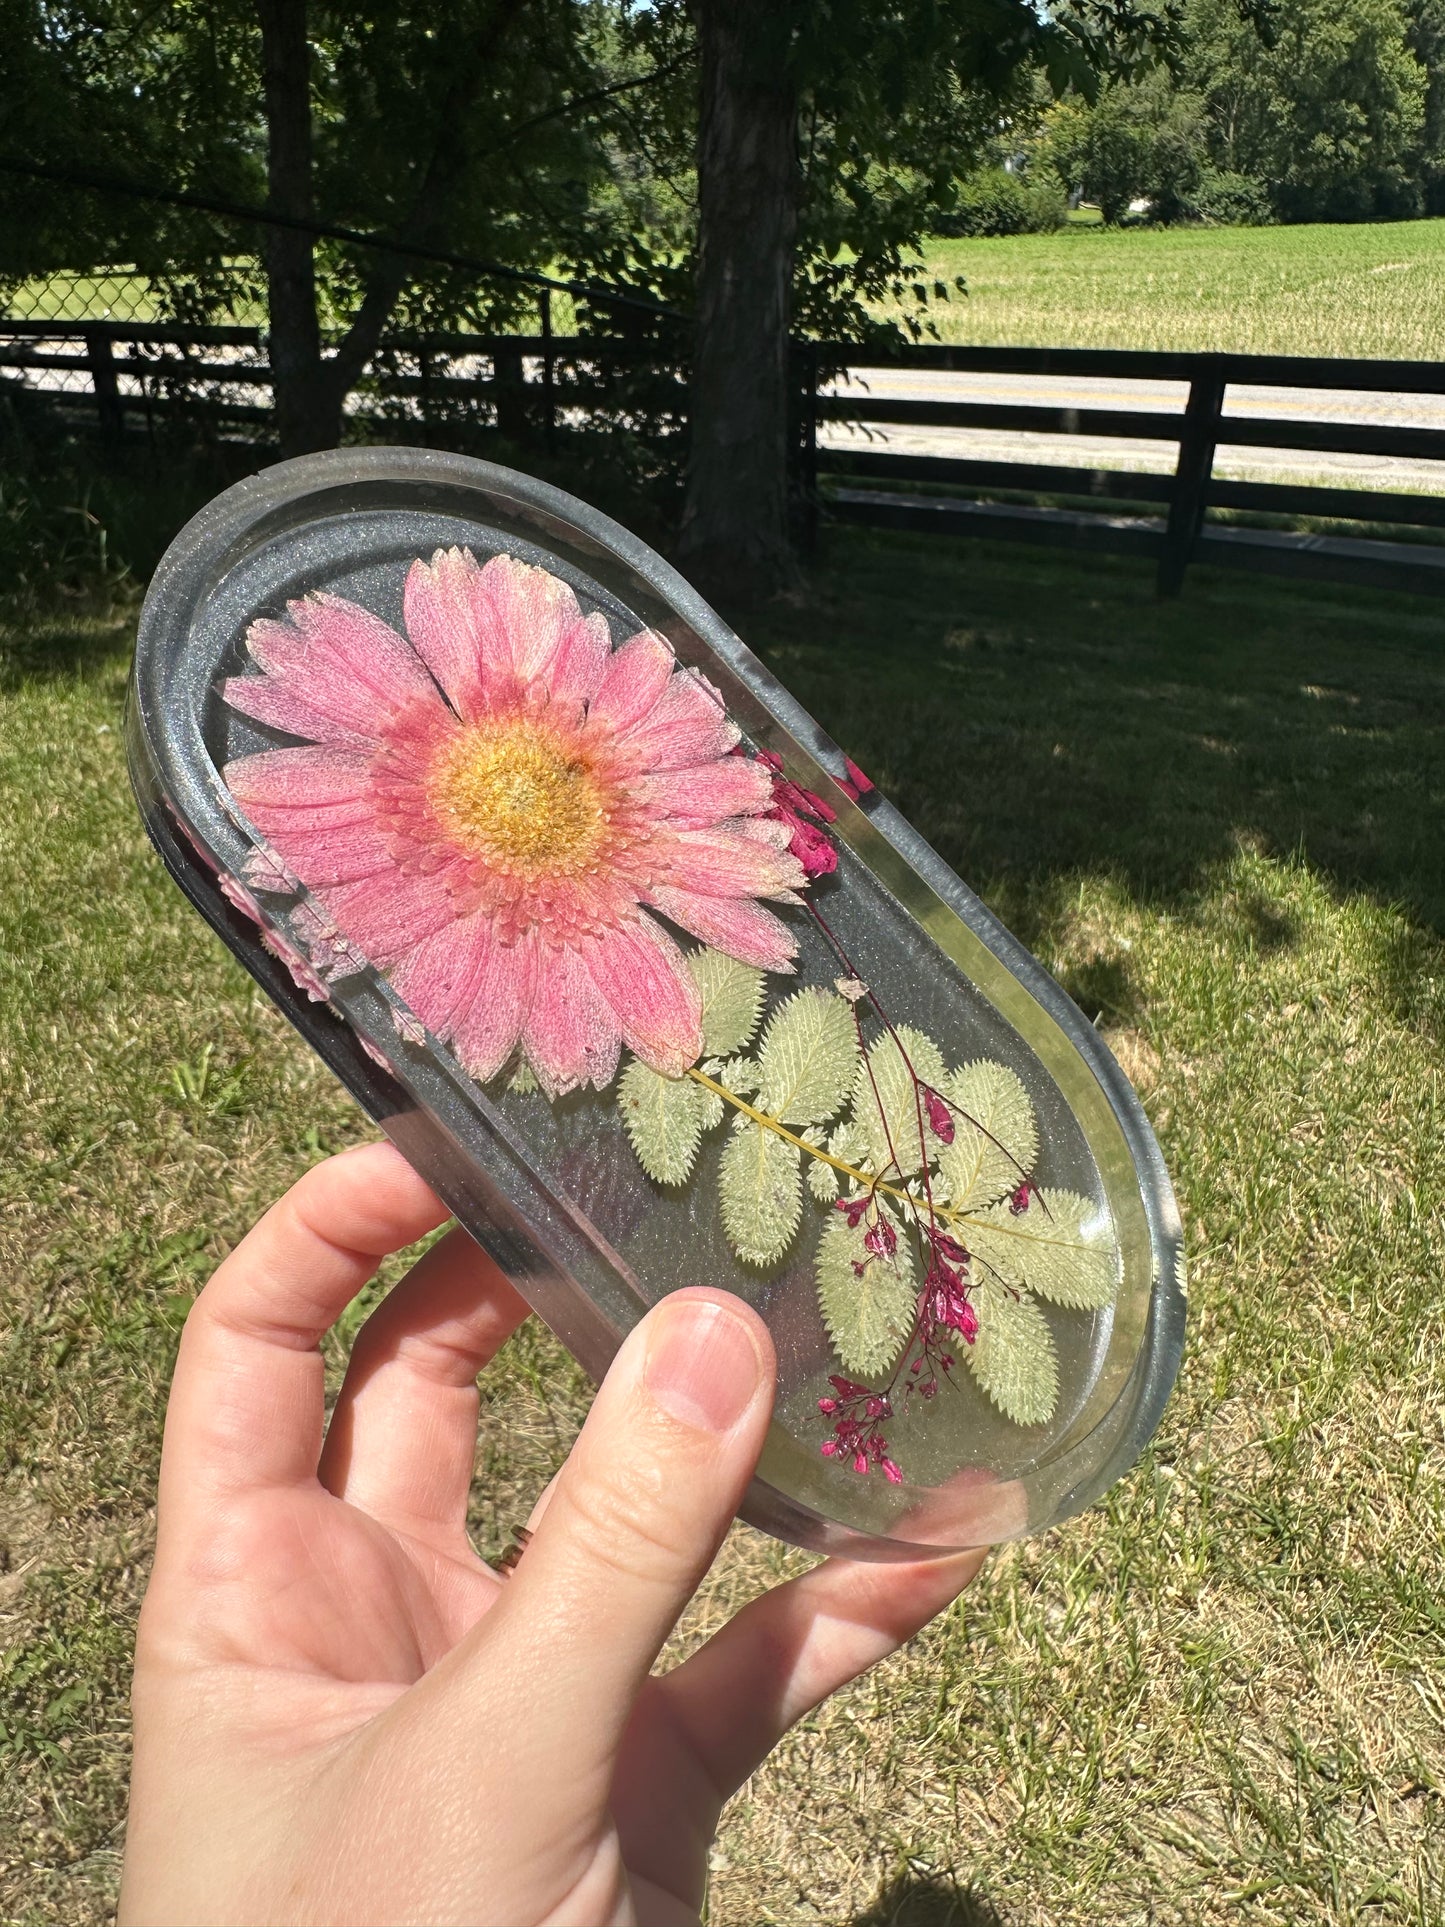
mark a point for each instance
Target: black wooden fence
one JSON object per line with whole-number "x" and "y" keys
{"x": 946, "y": 493}
{"x": 127, "y": 379}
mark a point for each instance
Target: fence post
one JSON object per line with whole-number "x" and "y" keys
{"x": 549, "y": 397}
{"x": 510, "y": 385}
{"x": 104, "y": 383}
{"x": 1192, "y": 475}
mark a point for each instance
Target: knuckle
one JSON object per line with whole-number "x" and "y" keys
{"x": 624, "y": 1523}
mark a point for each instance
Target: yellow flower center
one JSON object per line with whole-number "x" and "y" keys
{"x": 516, "y": 794}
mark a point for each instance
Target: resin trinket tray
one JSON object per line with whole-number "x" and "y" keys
{"x": 654, "y": 987}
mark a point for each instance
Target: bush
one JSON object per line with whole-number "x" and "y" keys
{"x": 997, "y": 202}
{"x": 1231, "y": 200}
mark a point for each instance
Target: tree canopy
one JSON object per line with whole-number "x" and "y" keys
{"x": 1305, "y": 110}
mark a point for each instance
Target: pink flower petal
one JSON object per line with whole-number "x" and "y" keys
{"x": 571, "y": 1036}
{"x": 309, "y": 778}
{"x": 772, "y": 830}
{"x": 286, "y": 792}
{"x": 529, "y": 612}
{"x": 387, "y": 916}
{"x": 578, "y": 667}
{"x": 635, "y": 677}
{"x": 697, "y": 798}
{"x": 342, "y": 661}
{"x": 645, "y": 979}
{"x": 738, "y": 926}
{"x": 271, "y": 702}
{"x": 725, "y": 863}
{"x": 688, "y": 724}
{"x": 323, "y": 858}
{"x": 488, "y": 1031}
{"x": 441, "y": 976}
{"x": 443, "y": 609}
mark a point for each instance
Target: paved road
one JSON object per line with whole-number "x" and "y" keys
{"x": 1158, "y": 397}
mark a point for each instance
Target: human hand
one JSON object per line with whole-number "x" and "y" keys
{"x": 342, "y": 1714}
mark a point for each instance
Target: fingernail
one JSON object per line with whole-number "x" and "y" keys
{"x": 703, "y": 1366}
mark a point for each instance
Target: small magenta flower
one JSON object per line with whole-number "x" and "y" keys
{"x": 802, "y": 812}
{"x": 855, "y": 783}
{"x": 859, "y": 1414}
{"x": 940, "y": 1117}
{"x": 1019, "y": 1202}
{"x": 880, "y": 1239}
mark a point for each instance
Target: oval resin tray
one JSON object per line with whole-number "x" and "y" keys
{"x": 655, "y": 989}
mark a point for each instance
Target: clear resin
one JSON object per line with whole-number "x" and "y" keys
{"x": 655, "y": 989}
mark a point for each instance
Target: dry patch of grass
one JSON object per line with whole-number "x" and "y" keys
{"x": 1214, "y": 1698}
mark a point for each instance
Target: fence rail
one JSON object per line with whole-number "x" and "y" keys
{"x": 1097, "y": 508}
{"x": 128, "y": 378}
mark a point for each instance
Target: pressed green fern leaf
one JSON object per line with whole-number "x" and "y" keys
{"x": 823, "y": 1180}
{"x": 868, "y": 1317}
{"x": 1013, "y": 1356}
{"x": 664, "y": 1120}
{"x": 739, "y": 1075}
{"x": 732, "y": 1001}
{"x": 995, "y": 1140}
{"x": 761, "y": 1190}
{"x": 806, "y": 1061}
{"x": 848, "y": 1142}
{"x": 1061, "y": 1248}
{"x": 897, "y": 1123}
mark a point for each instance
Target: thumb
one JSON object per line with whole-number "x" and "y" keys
{"x": 638, "y": 1511}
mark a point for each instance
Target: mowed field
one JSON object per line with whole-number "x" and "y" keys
{"x": 1357, "y": 290}
{"x": 1370, "y": 289}
{"x": 1215, "y": 1700}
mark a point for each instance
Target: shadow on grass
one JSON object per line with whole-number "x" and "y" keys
{"x": 928, "y": 1900}
{"x": 60, "y": 645}
{"x": 1041, "y": 716}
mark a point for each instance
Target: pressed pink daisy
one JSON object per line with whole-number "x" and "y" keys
{"x": 489, "y": 808}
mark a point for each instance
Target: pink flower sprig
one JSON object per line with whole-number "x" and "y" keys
{"x": 803, "y": 813}
{"x": 945, "y": 1314}
{"x": 940, "y": 1114}
{"x": 855, "y": 783}
{"x": 858, "y": 1415}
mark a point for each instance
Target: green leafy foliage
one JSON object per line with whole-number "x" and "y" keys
{"x": 885, "y": 1101}
{"x": 995, "y": 1138}
{"x": 1061, "y": 1248}
{"x": 664, "y": 1120}
{"x": 867, "y": 1301}
{"x": 1013, "y": 1357}
{"x": 823, "y": 1179}
{"x": 732, "y": 1001}
{"x": 786, "y": 1097}
{"x": 808, "y": 1053}
{"x": 762, "y": 1192}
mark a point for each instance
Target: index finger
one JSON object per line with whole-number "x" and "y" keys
{"x": 247, "y": 1400}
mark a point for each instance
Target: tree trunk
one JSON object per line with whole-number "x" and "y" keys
{"x": 735, "y": 522}
{"x": 308, "y": 408}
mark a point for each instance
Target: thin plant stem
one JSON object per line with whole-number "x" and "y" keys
{"x": 868, "y": 1183}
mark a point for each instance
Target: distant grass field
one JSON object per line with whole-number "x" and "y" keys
{"x": 1357, "y": 290}
{"x": 1216, "y": 1699}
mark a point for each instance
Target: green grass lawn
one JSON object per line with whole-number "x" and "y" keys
{"x": 1217, "y": 1697}
{"x": 1376, "y": 289}
{"x": 105, "y": 295}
